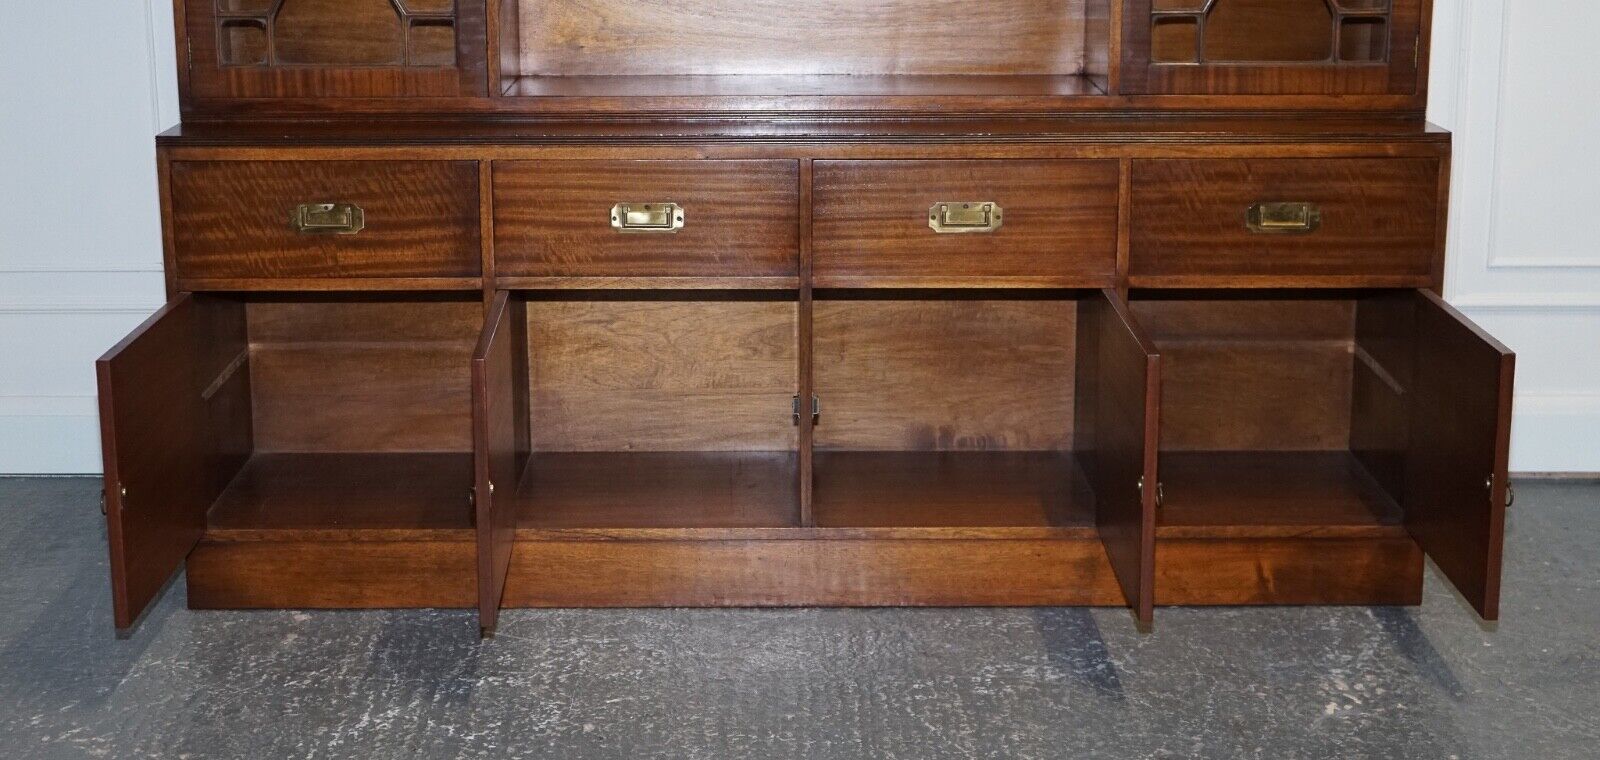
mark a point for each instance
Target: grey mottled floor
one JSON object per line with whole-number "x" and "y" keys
{"x": 1272, "y": 683}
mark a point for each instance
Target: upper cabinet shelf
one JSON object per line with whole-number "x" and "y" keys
{"x": 798, "y": 56}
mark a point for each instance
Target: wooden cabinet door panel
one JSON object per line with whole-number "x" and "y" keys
{"x": 500, "y": 445}
{"x": 1118, "y": 403}
{"x": 1456, "y": 464}
{"x": 175, "y": 428}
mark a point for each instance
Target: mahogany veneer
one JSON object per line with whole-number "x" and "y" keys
{"x": 1104, "y": 302}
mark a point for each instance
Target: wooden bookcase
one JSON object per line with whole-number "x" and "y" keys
{"x": 543, "y": 303}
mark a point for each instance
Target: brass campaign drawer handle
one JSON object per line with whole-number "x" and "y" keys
{"x": 961, "y": 217}
{"x": 327, "y": 219}
{"x": 647, "y": 217}
{"x": 1281, "y": 218}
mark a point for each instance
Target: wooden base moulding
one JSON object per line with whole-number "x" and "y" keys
{"x": 594, "y": 569}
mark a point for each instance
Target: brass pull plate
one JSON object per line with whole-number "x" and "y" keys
{"x": 964, "y": 217}
{"x": 327, "y": 219}
{"x": 1282, "y": 218}
{"x": 647, "y": 217}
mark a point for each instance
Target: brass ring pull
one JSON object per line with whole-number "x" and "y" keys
{"x": 327, "y": 219}
{"x": 665, "y": 218}
{"x": 1282, "y": 218}
{"x": 965, "y": 217}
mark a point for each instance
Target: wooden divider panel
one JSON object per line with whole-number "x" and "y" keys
{"x": 1118, "y": 407}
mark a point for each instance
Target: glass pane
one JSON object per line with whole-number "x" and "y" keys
{"x": 431, "y": 7}
{"x": 1363, "y": 39}
{"x": 433, "y": 43}
{"x": 1269, "y": 31}
{"x": 243, "y": 43}
{"x": 351, "y": 32}
{"x": 254, "y": 7}
{"x": 1174, "y": 40}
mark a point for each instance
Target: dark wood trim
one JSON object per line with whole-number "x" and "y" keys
{"x": 596, "y": 571}
{"x": 803, "y": 334}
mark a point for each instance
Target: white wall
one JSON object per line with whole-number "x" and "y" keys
{"x": 82, "y": 94}
{"x": 1509, "y": 80}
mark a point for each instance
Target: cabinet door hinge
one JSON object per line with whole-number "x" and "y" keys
{"x": 816, "y": 409}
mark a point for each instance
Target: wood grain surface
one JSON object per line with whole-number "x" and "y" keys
{"x": 944, "y": 375}
{"x": 231, "y": 219}
{"x": 1059, "y": 226}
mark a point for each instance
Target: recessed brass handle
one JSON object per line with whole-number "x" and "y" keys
{"x": 965, "y": 217}
{"x": 647, "y": 217}
{"x": 1282, "y": 218}
{"x": 327, "y": 219}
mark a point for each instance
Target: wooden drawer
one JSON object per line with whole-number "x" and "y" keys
{"x": 235, "y": 220}
{"x": 1057, "y": 223}
{"x": 739, "y": 219}
{"x": 1378, "y": 221}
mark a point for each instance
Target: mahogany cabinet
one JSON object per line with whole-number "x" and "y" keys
{"x": 545, "y": 303}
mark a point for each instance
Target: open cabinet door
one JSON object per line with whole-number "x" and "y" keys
{"x": 174, "y": 429}
{"x": 500, "y": 445}
{"x": 1118, "y": 402}
{"x": 1456, "y": 462}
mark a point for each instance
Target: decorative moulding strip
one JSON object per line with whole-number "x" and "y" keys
{"x": 78, "y": 308}
{"x": 19, "y": 405}
{"x": 1474, "y": 116}
{"x": 1549, "y": 262}
{"x": 1527, "y": 301}
{"x": 58, "y": 269}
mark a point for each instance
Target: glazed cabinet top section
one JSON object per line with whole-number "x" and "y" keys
{"x": 932, "y": 57}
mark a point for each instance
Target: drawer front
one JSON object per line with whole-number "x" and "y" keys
{"x": 1288, "y": 219}
{"x": 244, "y": 219}
{"x": 707, "y": 219}
{"x": 1051, "y": 223}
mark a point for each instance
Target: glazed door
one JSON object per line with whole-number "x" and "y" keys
{"x": 1272, "y": 47}
{"x": 255, "y": 49}
{"x": 175, "y": 428}
{"x": 1118, "y": 392}
{"x": 500, "y": 445}
{"x": 1456, "y": 489}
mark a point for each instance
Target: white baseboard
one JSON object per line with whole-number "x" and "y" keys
{"x": 49, "y": 444}
{"x": 1556, "y": 433}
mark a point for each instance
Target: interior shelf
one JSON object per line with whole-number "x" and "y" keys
{"x": 281, "y": 492}
{"x": 698, "y": 489}
{"x": 964, "y": 489}
{"x": 818, "y": 85}
{"x": 1272, "y": 491}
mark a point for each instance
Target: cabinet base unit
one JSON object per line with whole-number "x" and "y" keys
{"x": 539, "y": 303}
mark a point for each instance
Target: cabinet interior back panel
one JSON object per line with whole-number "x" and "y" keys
{"x": 945, "y": 375}
{"x": 801, "y": 37}
{"x": 362, "y": 377}
{"x": 1269, "y": 375}
{"x": 662, "y": 375}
